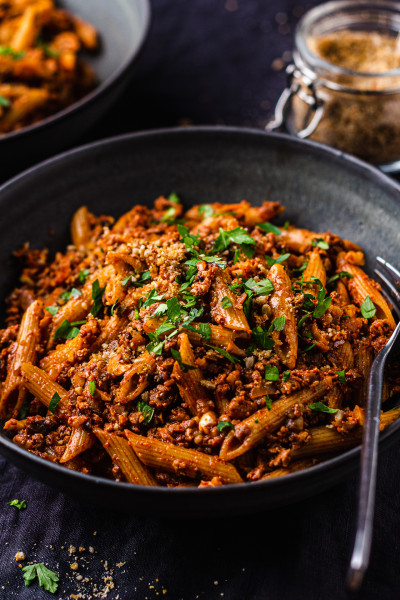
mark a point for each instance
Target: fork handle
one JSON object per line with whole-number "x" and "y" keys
{"x": 369, "y": 462}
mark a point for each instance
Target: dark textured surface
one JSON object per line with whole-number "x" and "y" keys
{"x": 208, "y": 64}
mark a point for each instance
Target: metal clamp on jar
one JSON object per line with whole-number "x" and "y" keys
{"x": 344, "y": 86}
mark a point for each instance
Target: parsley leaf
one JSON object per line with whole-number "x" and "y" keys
{"x": 271, "y": 373}
{"x": 206, "y": 210}
{"x": 269, "y": 228}
{"x": 83, "y": 274}
{"x": 67, "y": 330}
{"x": 342, "y": 376}
{"x": 153, "y": 297}
{"x": 337, "y": 276}
{"x": 20, "y": 504}
{"x": 67, "y": 295}
{"x": 143, "y": 278}
{"x": 278, "y": 323}
{"x": 235, "y": 236}
{"x": 268, "y": 402}
{"x": 146, "y": 410}
{"x": 368, "y": 309}
{"x": 8, "y": 51}
{"x": 224, "y": 353}
{"x": 52, "y": 309}
{"x": 55, "y": 399}
{"x": 156, "y": 347}
{"x": 262, "y": 338}
{"x": 322, "y": 307}
{"x": 202, "y": 329}
{"x": 320, "y": 244}
{"x": 174, "y": 310}
{"x": 97, "y": 295}
{"x": 321, "y": 407}
{"x": 177, "y": 356}
{"x": 174, "y": 198}
{"x": 92, "y": 387}
{"x": 4, "y": 101}
{"x": 260, "y": 288}
{"x": 272, "y": 261}
{"x": 47, "y": 579}
{"x": 226, "y": 303}
{"x": 225, "y": 424}
{"x": 286, "y": 375}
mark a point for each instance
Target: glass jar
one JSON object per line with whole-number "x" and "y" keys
{"x": 333, "y": 96}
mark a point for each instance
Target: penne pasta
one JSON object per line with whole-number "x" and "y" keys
{"x": 124, "y": 457}
{"x": 177, "y": 459}
{"x": 80, "y": 441}
{"x": 13, "y": 392}
{"x": 282, "y": 306}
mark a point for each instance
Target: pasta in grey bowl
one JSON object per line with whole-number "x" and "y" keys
{"x": 321, "y": 189}
{"x": 122, "y": 27}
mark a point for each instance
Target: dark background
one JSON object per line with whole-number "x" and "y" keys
{"x": 222, "y": 62}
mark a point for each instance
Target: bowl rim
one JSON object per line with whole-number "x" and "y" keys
{"x": 390, "y": 434}
{"x": 97, "y": 92}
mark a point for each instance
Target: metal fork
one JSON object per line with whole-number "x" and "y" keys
{"x": 390, "y": 279}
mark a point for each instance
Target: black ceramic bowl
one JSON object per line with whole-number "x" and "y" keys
{"x": 122, "y": 27}
{"x": 321, "y": 188}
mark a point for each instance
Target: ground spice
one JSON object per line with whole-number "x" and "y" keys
{"x": 356, "y": 122}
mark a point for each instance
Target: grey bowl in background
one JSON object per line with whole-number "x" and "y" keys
{"x": 321, "y": 188}
{"x": 122, "y": 27}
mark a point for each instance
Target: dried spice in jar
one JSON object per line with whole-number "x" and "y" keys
{"x": 344, "y": 85}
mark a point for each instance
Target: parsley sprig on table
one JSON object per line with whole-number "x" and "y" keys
{"x": 47, "y": 579}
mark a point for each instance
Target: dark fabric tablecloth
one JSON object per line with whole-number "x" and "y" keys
{"x": 206, "y": 61}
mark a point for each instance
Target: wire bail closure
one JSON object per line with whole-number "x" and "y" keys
{"x": 284, "y": 104}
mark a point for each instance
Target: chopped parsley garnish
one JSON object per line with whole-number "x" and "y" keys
{"x": 8, "y": 51}
{"x": 48, "y": 52}
{"x": 309, "y": 348}
{"x": 337, "y": 276}
{"x": 271, "y": 373}
{"x": 169, "y": 215}
{"x": 97, "y": 297}
{"x": 268, "y": 402}
{"x": 155, "y": 345}
{"x": 114, "y": 306}
{"x": 319, "y": 243}
{"x": 67, "y": 330}
{"x": 146, "y": 410}
{"x": 273, "y": 261}
{"x": 83, "y": 274}
{"x": 262, "y": 338}
{"x": 367, "y": 308}
{"x": 321, "y": 407}
{"x": 269, "y": 228}
{"x": 20, "y": 504}
{"x": 174, "y": 198}
{"x": 236, "y": 256}
{"x": 225, "y": 425}
{"x": 55, "y": 399}
{"x": 278, "y": 323}
{"x": 299, "y": 271}
{"x": 47, "y": 579}
{"x": 286, "y": 375}
{"x": 202, "y": 329}
{"x": 24, "y": 410}
{"x": 206, "y": 210}
{"x": 323, "y": 301}
{"x": 174, "y": 310}
{"x": 4, "y": 101}
{"x": 92, "y": 387}
{"x": 52, "y": 309}
{"x": 259, "y": 288}
{"x": 224, "y": 353}
{"x": 67, "y": 295}
{"x": 303, "y": 319}
{"x": 177, "y": 356}
{"x": 226, "y": 303}
{"x": 235, "y": 236}
{"x": 285, "y": 226}
{"x": 143, "y": 279}
{"x": 342, "y": 376}
{"x": 152, "y": 298}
